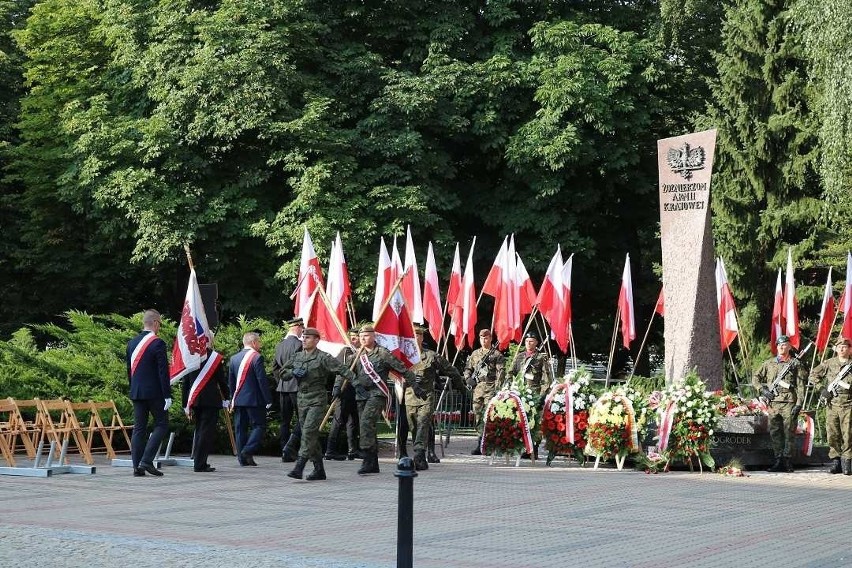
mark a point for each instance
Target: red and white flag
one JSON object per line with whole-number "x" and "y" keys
{"x": 506, "y": 315}
{"x": 411, "y": 281}
{"x": 791, "y": 309}
{"x": 728, "y": 328}
{"x": 432, "y": 296}
{"x": 322, "y": 316}
{"x": 567, "y": 269}
{"x": 551, "y": 299}
{"x": 384, "y": 279}
{"x": 395, "y": 331}
{"x": 310, "y": 277}
{"x": 193, "y": 335}
{"x": 464, "y": 316}
{"x": 337, "y": 287}
{"x": 625, "y": 305}
{"x": 526, "y": 290}
{"x": 660, "y": 306}
{"x": 846, "y": 304}
{"x": 777, "y": 328}
{"x": 493, "y": 285}
{"x": 826, "y": 315}
{"x": 454, "y": 305}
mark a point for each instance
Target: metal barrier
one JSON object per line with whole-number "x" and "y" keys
{"x": 452, "y": 413}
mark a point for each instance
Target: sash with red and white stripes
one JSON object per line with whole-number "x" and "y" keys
{"x": 377, "y": 380}
{"x": 203, "y": 377}
{"x": 141, "y": 347}
{"x": 242, "y": 371}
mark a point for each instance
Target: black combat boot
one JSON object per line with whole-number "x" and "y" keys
{"x": 777, "y": 466}
{"x": 835, "y": 466}
{"x": 330, "y": 451}
{"x": 298, "y": 469}
{"x": 318, "y": 473}
{"x": 431, "y": 456}
{"x": 477, "y": 451}
{"x": 788, "y": 464}
{"x": 420, "y": 462}
{"x": 847, "y": 467}
{"x": 370, "y": 464}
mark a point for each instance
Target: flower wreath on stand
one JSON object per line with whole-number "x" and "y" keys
{"x": 612, "y": 429}
{"x": 510, "y": 418}
{"x": 688, "y": 414}
{"x": 564, "y": 422}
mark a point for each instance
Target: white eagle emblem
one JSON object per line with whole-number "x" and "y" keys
{"x": 685, "y": 160}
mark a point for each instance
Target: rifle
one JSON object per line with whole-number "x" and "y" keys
{"x": 772, "y": 390}
{"x": 834, "y": 386}
{"x": 482, "y": 362}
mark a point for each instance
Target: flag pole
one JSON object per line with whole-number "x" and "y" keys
{"x": 188, "y": 256}
{"x": 641, "y": 347}
{"x": 839, "y": 333}
{"x": 299, "y": 284}
{"x": 740, "y": 335}
{"x": 734, "y": 369}
{"x": 612, "y": 346}
{"x": 571, "y": 347}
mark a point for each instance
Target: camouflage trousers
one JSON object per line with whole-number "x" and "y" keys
{"x": 310, "y": 418}
{"x": 482, "y": 395}
{"x": 419, "y": 420}
{"x": 369, "y": 412}
{"x": 782, "y": 429}
{"x": 838, "y": 427}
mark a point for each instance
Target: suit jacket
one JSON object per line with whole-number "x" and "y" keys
{"x": 151, "y": 379}
{"x": 211, "y": 395}
{"x": 255, "y": 389}
{"x": 284, "y": 353}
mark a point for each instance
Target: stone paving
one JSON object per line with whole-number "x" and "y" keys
{"x": 469, "y": 514}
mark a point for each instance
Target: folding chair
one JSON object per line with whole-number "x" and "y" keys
{"x": 107, "y": 429}
{"x": 61, "y": 426}
{"x": 27, "y": 432}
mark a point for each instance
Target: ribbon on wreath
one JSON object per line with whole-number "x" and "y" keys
{"x": 666, "y": 421}
{"x": 808, "y": 430}
{"x": 569, "y": 407}
{"x": 630, "y": 423}
{"x": 523, "y": 422}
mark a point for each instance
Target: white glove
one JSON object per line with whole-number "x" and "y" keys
{"x": 268, "y": 406}
{"x": 226, "y": 404}
{"x": 168, "y": 404}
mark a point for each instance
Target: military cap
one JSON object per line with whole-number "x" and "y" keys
{"x": 367, "y": 328}
{"x": 419, "y": 329}
{"x": 295, "y": 321}
{"x": 311, "y": 331}
{"x": 531, "y": 335}
{"x": 782, "y": 339}
{"x": 843, "y": 341}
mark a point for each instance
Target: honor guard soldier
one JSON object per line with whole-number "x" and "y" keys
{"x": 312, "y": 369}
{"x": 834, "y": 378}
{"x": 420, "y": 396}
{"x": 780, "y": 381}
{"x": 346, "y": 411}
{"x": 533, "y": 365}
{"x": 372, "y": 392}
{"x": 483, "y": 372}
{"x": 288, "y": 389}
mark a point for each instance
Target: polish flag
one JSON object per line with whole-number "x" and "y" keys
{"x": 551, "y": 299}
{"x": 432, "y": 296}
{"x": 566, "y": 295}
{"x": 494, "y": 281}
{"x": 310, "y": 277}
{"x": 506, "y": 315}
{"x": 454, "y": 304}
{"x": 826, "y": 315}
{"x": 395, "y": 330}
{"x": 396, "y": 264}
{"x": 725, "y": 303}
{"x": 625, "y": 304}
{"x": 333, "y": 337}
{"x": 660, "y": 306}
{"x": 465, "y": 314}
{"x": 526, "y": 290}
{"x": 189, "y": 350}
{"x": 337, "y": 287}
{"x": 384, "y": 279}
{"x": 411, "y": 281}
{"x": 791, "y": 309}
{"x": 846, "y": 304}
{"x": 776, "y": 330}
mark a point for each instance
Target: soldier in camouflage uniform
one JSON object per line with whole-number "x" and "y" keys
{"x": 533, "y": 365}
{"x": 483, "y": 372}
{"x": 371, "y": 400}
{"x": 838, "y": 405}
{"x": 312, "y": 369}
{"x": 784, "y": 398}
{"x": 420, "y": 396}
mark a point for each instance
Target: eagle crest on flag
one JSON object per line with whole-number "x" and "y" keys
{"x": 192, "y": 331}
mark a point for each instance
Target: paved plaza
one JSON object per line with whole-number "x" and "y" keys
{"x": 469, "y": 514}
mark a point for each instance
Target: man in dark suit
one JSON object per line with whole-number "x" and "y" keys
{"x": 148, "y": 373}
{"x": 288, "y": 389}
{"x": 250, "y": 398}
{"x": 202, "y": 399}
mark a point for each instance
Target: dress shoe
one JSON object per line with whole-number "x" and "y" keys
{"x": 243, "y": 459}
{"x": 205, "y": 469}
{"x": 250, "y": 461}
{"x": 149, "y": 467}
{"x": 432, "y": 457}
{"x": 138, "y": 472}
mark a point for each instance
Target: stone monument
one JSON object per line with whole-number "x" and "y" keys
{"x": 689, "y": 287}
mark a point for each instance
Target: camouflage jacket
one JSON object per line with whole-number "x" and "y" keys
{"x": 825, "y": 373}
{"x": 535, "y": 369}
{"x": 383, "y": 363}
{"x": 485, "y": 367}
{"x": 317, "y": 369}
{"x": 426, "y": 373}
{"x": 793, "y": 389}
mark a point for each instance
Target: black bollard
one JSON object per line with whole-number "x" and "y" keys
{"x": 405, "y": 517}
